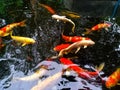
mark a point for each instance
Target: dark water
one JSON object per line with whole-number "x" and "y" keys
{"x": 17, "y": 61}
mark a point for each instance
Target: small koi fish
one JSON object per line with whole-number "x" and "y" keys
{"x": 83, "y": 73}
{"x": 48, "y": 8}
{"x": 60, "y": 47}
{"x": 50, "y": 81}
{"x": 74, "y": 38}
{"x": 63, "y": 18}
{"x": 70, "y": 14}
{"x": 98, "y": 27}
{"x": 113, "y": 79}
{"x": 5, "y": 31}
{"x": 23, "y": 40}
{"x": 39, "y": 73}
{"x": 75, "y": 45}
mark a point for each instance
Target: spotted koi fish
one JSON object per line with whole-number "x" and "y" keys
{"x": 113, "y": 79}
{"x": 5, "y": 31}
{"x": 83, "y": 73}
{"x": 74, "y": 38}
{"x": 98, "y": 27}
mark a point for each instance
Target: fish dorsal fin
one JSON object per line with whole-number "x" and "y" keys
{"x": 101, "y": 66}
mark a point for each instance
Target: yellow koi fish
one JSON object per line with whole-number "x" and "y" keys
{"x": 70, "y": 14}
{"x": 34, "y": 76}
{"x": 5, "y": 31}
{"x": 23, "y": 40}
{"x": 63, "y": 18}
{"x": 75, "y": 45}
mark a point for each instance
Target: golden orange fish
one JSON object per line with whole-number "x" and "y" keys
{"x": 5, "y": 31}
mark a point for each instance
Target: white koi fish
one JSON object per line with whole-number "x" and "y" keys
{"x": 34, "y": 76}
{"x": 48, "y": 83}
{"x": 63, "y": 18}
{"x": 76, "y": 45}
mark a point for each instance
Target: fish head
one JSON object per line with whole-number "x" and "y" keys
{"x": 87, "y": 42}
{"x": 55, "y": 16}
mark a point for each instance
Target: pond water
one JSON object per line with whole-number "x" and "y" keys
{"x": 17, "y": 62}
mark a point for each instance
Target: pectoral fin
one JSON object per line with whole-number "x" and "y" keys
{"x": 58, "y": 20}
{"x": 77, "y": 50}
{"x": 106, "y": 29}
{"x": 85, "y": 46}
{"x": 101, "y": 66}
{"x": 118, "y": 83}
{"x": 24, "y": 44}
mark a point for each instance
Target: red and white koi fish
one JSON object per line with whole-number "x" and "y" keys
{"x": 48, "y": 83}
{"x": 113, "y": 79}
{"x": 39, "y": 73}
{"x": 80, "y": 71}
{"x": 63, "y": 18}
{"x": 76, "y": 45}
{"x": 74, "y": 38}
{"x": 60, "y": 47}
{"x": 5, "y": 31}
{"x": 98, "y": 27}
{"x": 48, "y": 8}
{"x": 23, "y": 40}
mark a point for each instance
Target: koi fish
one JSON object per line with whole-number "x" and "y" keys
{"x": 98, "y": 27}
{"x": 70, "y": 14}
{"x": 75, "y": 45}
{"x": 36, "y": 75}
{"x": 5, "y": 31}
{"x": 60, "y": 47}
{"x": 74, "y": 38}
{"x": 113, "y": 79}
{"x": 48, "y": 83}
{"x": 63, "y": 18}
{"x": 48, "y": 8}
{"x": 23, "y": 40}
{"x": 80, "y": 71}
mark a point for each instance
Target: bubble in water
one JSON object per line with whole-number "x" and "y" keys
{"x": 18, "y": 51}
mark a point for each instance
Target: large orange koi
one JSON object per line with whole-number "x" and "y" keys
{"x": 74, "y": 38}
{"x": 80, "y": 71}
{"x": 5, "y": 31}
{"x": 113, "y": 79}
{"x": 48, "y": 8}
{"x": 98, "y": 27}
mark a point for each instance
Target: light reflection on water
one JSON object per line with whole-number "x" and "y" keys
{"x": 10, "y": 83}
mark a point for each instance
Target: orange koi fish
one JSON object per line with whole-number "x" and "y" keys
{"x": 60, "y": 47}
{"x": 76, "y": 45}
{"x": 80, "y": 71}
{"x": 5, "y": 31}
{"x": 98, "y": 27}
{"x": 74, "y": 38}
{"x": 48, "y": 8}
{"x": 23, "y": 40}
{"x": 113, "y": 79}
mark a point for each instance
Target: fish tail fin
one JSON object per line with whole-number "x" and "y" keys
{"x": 22, "y": 23}
{"x": 101, "y": 66}
{"x": 87, "y": 31}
